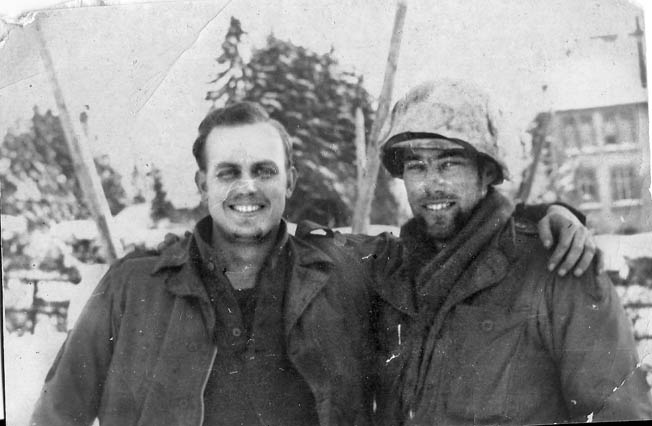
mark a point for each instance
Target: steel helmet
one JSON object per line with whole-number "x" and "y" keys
{"x": 448, "y": 109}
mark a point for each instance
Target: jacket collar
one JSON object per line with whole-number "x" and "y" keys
{"x": 310, "y": 271}
{"x": 174, "y": 255}
{"x": 203, "y": 238}
{"x": 196, "y": 247}
{"x": 177, "y": 256}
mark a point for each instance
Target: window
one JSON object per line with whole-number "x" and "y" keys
{"x": 625, "y": 183}
{"x": 569, "y": 130}
{"x": 610, "y": 128}
{"x": 587, "y": 134}
{"x": 627, "y": 130}
{"x": 586, "y": 185}
{"x": 619, "y": 126}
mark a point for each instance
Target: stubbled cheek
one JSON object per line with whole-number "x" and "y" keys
{"x": 415, "y": 191}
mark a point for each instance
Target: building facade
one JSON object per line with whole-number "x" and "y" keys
{"x": 605, "y": 154}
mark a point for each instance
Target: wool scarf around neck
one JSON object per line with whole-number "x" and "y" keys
{"x": 435, "y": 273}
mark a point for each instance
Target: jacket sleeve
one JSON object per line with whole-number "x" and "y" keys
{"x": 380, "y": 255}
{"x": 73, "y": 387}
{"x": 593, "y": 344}
{"x": 536, "y": 212}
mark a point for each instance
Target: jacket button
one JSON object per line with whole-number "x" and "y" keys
{"x": 236, "y": 332}
{"x": 210, "y": 266}
{"x": 487, "y": 325}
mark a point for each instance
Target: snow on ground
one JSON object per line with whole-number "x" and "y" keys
{"x": 617, "y": 247}
{"x": 27, "y": 361}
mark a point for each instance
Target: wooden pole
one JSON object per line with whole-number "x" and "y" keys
{"x": 539, "y": 139}
{"x": 89, "y": 181}
{"x": 367, "y": 184}
{"x": 360, "y": 145}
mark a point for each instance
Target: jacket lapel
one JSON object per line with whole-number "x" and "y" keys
{"x": 185, "y": 282}
{"x": 397, "y": 291}
{"x": 487, "y": 270}
{"x": 311, "y": 270}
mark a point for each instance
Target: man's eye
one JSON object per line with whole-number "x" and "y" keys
{"x": 267, "y": 172}
{"x": 227, "y": 174}
{"x": 450, "y": 164}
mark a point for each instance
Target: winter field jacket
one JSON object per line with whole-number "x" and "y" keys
{"x": 141, "y": 351}
{"x": 516, "y": 344}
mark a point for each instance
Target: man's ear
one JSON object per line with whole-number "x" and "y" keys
{"x": 200, "y": 181}
{"x": 292, "y": 181}
{"x": 489, "y": 173}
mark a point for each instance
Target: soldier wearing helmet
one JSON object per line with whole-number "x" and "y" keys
{"x": 495, "y": 337}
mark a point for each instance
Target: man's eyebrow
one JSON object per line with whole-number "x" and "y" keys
{"x": 451, "y": 153}
{"x": 226, "y": 165}
{"x": 264, "y": 163}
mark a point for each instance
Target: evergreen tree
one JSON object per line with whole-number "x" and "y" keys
{"x": 161, "y": 206}
{"x": 39, "y": 183}
{"x": 229, "y": 81}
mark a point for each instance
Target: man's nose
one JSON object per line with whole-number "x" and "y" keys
{"x": 434, "y": 176}
{"x": 245, "y": 185}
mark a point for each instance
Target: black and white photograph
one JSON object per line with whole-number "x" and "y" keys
{"x": 339, "y": 213}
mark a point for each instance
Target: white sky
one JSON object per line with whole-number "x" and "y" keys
{"x": 142, "y": 69}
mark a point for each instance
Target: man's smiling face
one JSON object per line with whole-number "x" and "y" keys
{"x": 443, "y": 186}
{"x": 246, "y": 181}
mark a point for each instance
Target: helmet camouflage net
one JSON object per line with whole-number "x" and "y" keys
{"x": 449, "y": 109}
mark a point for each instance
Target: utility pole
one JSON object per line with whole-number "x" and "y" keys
{"x": 367, "y": 184}
{"x": 539, "y": 139}
{"x": 89, "y": 181}
{"x": 639, "y": 36}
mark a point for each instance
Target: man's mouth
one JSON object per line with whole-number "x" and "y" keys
{"x": 439, "y": 205}
{"x": 246, "y": 208}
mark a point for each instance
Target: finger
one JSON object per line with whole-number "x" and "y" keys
{"x": 574, "y": 252}
{"x": 585, "y": 261}
{"x": 565, "y": 240}
{"x": 545, "y": 233}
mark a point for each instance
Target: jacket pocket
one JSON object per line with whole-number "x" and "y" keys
{"x": 486, "y": 344}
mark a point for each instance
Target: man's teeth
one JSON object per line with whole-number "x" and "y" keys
{"x": 438, "y": 206}
{"x": 247, "y": 208}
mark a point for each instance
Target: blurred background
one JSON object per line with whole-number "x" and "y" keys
{"x": 100, "y": 103}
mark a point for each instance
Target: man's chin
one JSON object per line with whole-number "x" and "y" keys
{"x": 249, "y": 235}
{"x": 441, "y": 230}
{"x": 440, "y": 235}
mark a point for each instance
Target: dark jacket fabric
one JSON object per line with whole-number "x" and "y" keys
{"x": 142, "y": 349}
{"x": 512, "y": 342}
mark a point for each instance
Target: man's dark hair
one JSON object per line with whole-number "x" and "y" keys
{"x": 237, "y": 115}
